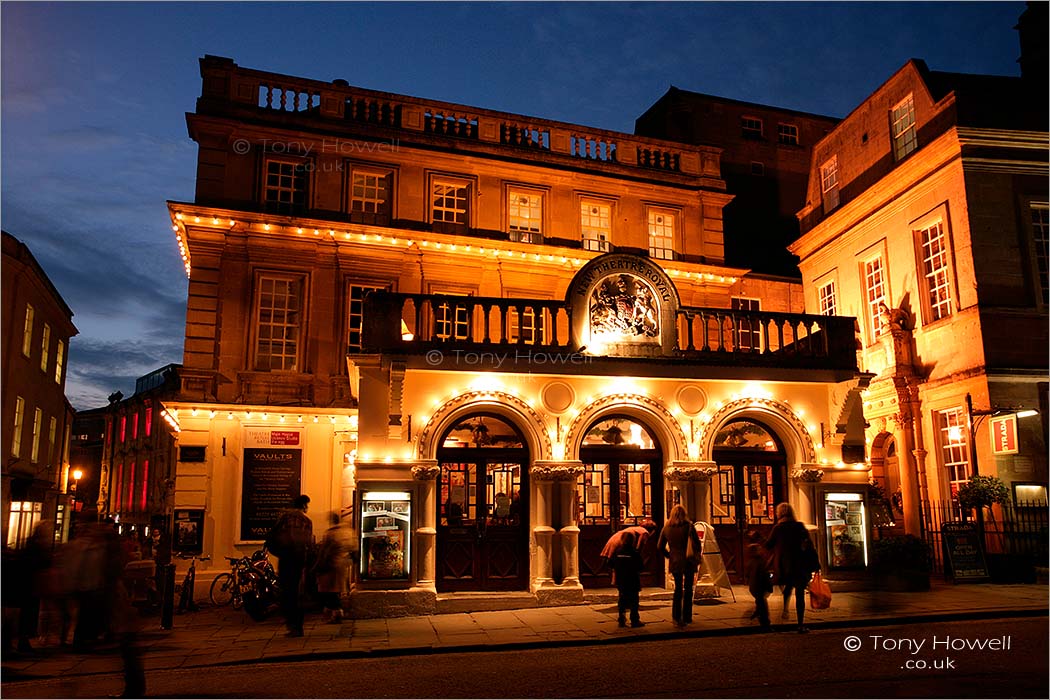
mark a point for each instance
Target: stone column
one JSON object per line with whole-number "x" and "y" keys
{"x": 426, "y": 472}
{"x": 693, "y": 480}
{"x": 555, "y": 482}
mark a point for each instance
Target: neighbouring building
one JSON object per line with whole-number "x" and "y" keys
{"x": 36, "y": 415}
{"x": 765, "y": 157}
{"x": 489, "y": 340}
{"x": 927, "y": 219}
{"x": 131, "y": 446}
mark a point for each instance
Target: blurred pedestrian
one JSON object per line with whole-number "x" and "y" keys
{"x": 677, "y": 537}
{"x": 759, "y": 578}
{"x": 333, "y": 561}
{"x": 290, "y": 541}
{"x": 627, "y": 563}
{"x": 793, "y": 560}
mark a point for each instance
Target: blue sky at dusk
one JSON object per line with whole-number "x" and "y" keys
{"x": 94, "y": 97}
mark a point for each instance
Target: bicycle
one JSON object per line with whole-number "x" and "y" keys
{"x": 186, "y": 601}
{"x": 229, "y": 587}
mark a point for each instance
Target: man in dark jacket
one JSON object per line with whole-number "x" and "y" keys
{"x": 290, "y": 540}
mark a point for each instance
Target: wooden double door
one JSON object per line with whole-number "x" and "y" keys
{"x": 619, "y": 487}
{"x": 482, "y": 533}
{"x": 744, "y": 496}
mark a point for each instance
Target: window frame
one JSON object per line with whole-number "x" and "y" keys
{"x": 288, "y": 277}
{"x": 655, "y": 252}
{"x": 829, "y": 184}
{"x": 953, "y": 456}
{"x": 45, "y": 347}
{"x": 369, "y": 286}
{"x": 785, "y": 137}
{"x": 872, "y": 313}
{"x": 60, "y": 360}
{"x": 27, "y": 331}
{"x": 904, "y": 142}
{"x": 19, "y": 427}
{"x": 383, "y": 215}
{"x": 746, "y": 339}
{"x": 933, "y": 309}
{"x": 38, "y": 424}
{"x": 277, "y": 206}
{"x": 822, "y": 306}
{"x": 601, "y": 246}
{"x": 1038, "y": 254}
{"x": 461, "y": 319}
{"x": 748, "y": 130}
{"x": 538, "y": 199}
{"x": 467, "y": 183}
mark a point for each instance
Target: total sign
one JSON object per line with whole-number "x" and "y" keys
{"x": 1004, "y": 434}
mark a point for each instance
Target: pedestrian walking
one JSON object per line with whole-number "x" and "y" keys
{"x": 290, "y": 540}
{"x": 794, "y": 560}
{"x": 627, "y": 563}
{"x": 333, "y": 561}
{"x": 681, "y": 546}
{"x": 759, "y": 578}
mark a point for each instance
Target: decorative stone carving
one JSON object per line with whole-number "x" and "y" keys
{"x": 591, "y": 413}
{"x": 781, "y": 410}
{"x": 425, "y": 472}
{"x": 556, "y": 471}
{"x": 623, "y": 307}
{"x": 808, "y": 476}
{"x": 681, "y": 472}
{"x": 480, "y": 400}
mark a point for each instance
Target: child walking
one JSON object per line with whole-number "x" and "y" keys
{"x": 759, "y": 579}
{"x": 627, "y": 565}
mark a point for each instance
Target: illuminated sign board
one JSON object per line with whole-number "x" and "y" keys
{"x": 1004, "y": 434}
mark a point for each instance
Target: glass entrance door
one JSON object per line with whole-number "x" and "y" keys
{"x": 482, "y": 535}
{"x": 746, "y": 490}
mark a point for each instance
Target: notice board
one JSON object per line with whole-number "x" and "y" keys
{"x": 271, "y": 478}
{"x": 964, "y": 552}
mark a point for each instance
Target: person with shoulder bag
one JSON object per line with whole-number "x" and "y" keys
{"x": 792, "y": 565}
{"x": 290, "y": 541}
{"x": 681, "y": 546}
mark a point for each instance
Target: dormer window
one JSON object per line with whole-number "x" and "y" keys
{"x": 902, "y": 120}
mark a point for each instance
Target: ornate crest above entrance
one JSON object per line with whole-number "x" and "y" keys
{"x": 623, "y": 305}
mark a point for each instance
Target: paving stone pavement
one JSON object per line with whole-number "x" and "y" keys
{"x": 217, "y": 636}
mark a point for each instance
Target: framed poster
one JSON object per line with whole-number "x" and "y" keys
{"x": 189, "y": 532}
{"x": 271, "y": 477}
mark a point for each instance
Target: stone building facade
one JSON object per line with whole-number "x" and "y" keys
{"x": 488, "y": 340}
{"x": 36, "y": 415}
{"x": 927, "y": 219}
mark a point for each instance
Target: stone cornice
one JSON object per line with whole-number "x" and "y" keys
{"x": 564, "y": 470}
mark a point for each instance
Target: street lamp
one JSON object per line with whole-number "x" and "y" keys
{"x": 77, "y": 474}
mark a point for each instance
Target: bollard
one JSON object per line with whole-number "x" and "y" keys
{"x": 167, "y": 601}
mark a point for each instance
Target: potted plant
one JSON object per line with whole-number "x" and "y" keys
{"x": 901, "y": 563}
{"x": 982, "y": 492}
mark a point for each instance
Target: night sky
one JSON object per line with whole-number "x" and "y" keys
{"x": 94, "y": 95}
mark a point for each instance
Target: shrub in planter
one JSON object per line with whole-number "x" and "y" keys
{"x": 901, "y": 563}
{"x": 983, "y": 491}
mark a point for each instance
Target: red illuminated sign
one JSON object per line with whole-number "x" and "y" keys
{"x": 1004, "y": 434}
{"x": 284, "y": 437}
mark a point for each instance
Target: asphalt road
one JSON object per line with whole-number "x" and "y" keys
{"x": 969, "y": 659}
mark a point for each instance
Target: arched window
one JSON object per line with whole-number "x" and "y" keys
{"x": 745, "y": 434}
{"x": 483, "y": 430}
{"x": 619, "y": 431}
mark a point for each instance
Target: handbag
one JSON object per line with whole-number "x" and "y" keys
{"x": 692, "y": 551}
{"x": 819, "y": 593}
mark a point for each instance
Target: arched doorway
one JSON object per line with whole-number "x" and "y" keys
{"x": 750, "y": 482}
{"x": 621, "y": 485}
{"x": 482, "y": 533}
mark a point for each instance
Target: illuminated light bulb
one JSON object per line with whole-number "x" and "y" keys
{"x": 299, "y": 230}
{"x": 378, "y": 237}
{"x": 409, "y": 242}
{"x": 438, "y": 246}
{"x": 211, "y": 414}
{"x": 193, "y": 412}
{"x": 247, "y": 414}
{"x": 316, "y": 232}
{"x": 265, "y": 416}
{"x": 179, "y": 216}
{"x": 423, "y": 419}
{"x": 266, "y": 227}
{"x": 229, "y": 416}
{"x": 316, "y": 419}
{"x": 174, "y": 228}
{"x": 300, "y": 419}
{"x": 452, "y": 247}
{"x": 196, "y": 219}
{"x": 563, "y": 259}
{"x": 282, "y": 419}
{"x": 332, "y": 418}
{"x": 232, "y": 222}
{"x": 799, "y": 412}
{"x": 347, "y": 236}
{"x": 214, "y": 222}
{"x": 393, "y": 241}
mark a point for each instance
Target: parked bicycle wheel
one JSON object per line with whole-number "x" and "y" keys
{"x": 222, "y": 589}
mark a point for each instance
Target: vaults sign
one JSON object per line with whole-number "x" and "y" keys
{"x": 1004, "y": 434}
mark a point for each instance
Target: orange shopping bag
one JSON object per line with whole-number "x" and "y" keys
{"x": 819, "y": 593}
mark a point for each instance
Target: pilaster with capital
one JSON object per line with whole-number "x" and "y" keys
{"x": 806, "y": 477}
{"x": 425, "y": 473}
{"x": 555, "y": 482}
{"x": 693, "y": 481}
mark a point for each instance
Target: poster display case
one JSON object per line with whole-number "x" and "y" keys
{"x": 846, "y": 529}
{"x": 385, "y": 546}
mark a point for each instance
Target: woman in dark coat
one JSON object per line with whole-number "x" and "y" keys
{"x": 672, "y": 544}
{"x": 794, "y": 559}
